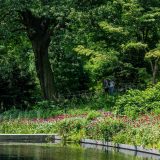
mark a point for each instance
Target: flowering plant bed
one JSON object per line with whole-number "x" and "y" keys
{"x": 143, "y": 131}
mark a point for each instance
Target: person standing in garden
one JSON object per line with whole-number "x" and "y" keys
{"x": 111, "y": 87}
{"x": 106, "y": 85}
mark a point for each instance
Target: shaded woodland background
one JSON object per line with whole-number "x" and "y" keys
{"x": 50, "y": 49}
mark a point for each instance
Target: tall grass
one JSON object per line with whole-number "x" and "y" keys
{"x": 76, "y": 105}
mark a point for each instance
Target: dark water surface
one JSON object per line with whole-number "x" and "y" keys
{"x": 33, "y": 151}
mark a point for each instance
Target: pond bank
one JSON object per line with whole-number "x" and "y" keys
{"x": 87, "y": 143}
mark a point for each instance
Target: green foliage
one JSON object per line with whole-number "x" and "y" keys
{"x": 111, "y": 127}
{"x": 36, "y": 113}
{"x": 140, "y": 132}
{"x": 104, "y": 128}
{"x": 72, "y": 128}
{"x": 136, "y": 102}
{"x": 103, "y": 101}
{"x": 146, "y": 136}
{"x": 134, "y": 53}
{"x": 110, "y": 29}
{"x": 93, "y": 115}
{"x": 153, "y": 54}
{"x": 69, "y": 74}
{"x": 132, "y": 45}
{"x": 97, "y": 39}
{"x": 17, "y": 83}
{"x": 15, "y": 127}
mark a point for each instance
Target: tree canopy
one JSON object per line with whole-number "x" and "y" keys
{"x": 66, "y": 46}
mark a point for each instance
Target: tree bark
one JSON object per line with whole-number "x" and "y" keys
{"x": 154, "y": 71}
{"x": 154, "y": 77}
{"x": 43, "y": 68}
{"x": 38, "y": 32}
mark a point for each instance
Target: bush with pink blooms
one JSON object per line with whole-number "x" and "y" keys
{"x": 143, "y": 131}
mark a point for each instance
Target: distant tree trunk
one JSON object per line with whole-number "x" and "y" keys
{"x": 154, "y": 70}
{"x": 38, "y": 32}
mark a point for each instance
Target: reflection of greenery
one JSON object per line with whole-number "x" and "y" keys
{"x": 73, "y": 145}
{"x": 60, "y": 144}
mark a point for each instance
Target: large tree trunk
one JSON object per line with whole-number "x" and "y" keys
{"x": 43, "y": 68}
{"x": 38, "y": 32}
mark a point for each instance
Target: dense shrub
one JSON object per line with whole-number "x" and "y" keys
{"x": 111, "y": 127}
{"x": 104, "y": 128}
{"x": 18, "y": 87}
{"x": 26, "y": 127}
{"x": 145, "y": 135}
{"x": 136, "y": 102}
{"x": 35, "y": 113}
{"x": 72, "y": 128}
{"x": 92, "y": 115}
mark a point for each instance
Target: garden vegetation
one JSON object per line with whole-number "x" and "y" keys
{"x": 55, "y": 56}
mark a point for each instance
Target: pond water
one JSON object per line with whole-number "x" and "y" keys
{"x": 35, "y": 151}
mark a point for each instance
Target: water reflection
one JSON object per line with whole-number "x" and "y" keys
{"x": 28, "y": 151}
